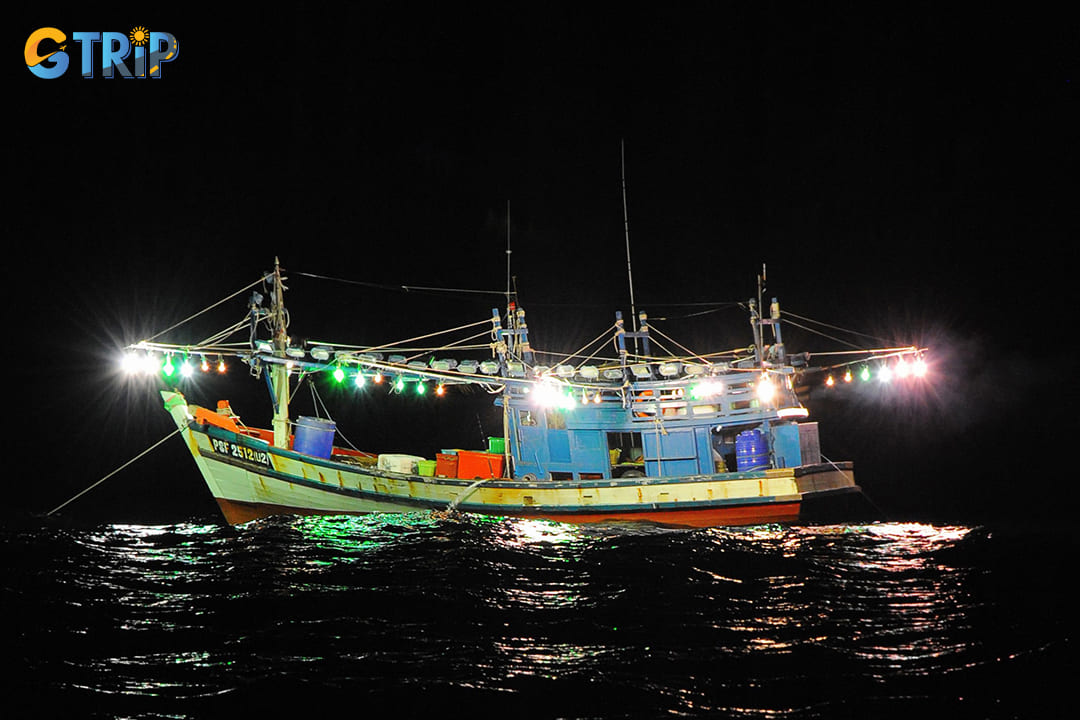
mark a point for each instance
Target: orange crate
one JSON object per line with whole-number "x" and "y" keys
{"x": 446, "y": 465}
{"x": 474, "y": 465}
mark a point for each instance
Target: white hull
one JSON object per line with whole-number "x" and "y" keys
{"x": 249, "y": 478}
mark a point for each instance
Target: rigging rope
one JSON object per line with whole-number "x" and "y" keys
{"x": 577, "y": 352}
{"x": 678, "y": 344}
{"x": 456, "y": 344}
{"x": 400, "y": 288}
{"x": 788, "y": 313}
{"x": 660, "y": 345}
{"x": 385, "y": 346}
{"x": 720, "y": 306}
{"x": 827, "y": 337}
{"x": 206, "y": 309}
{"x": 222, "y": 334}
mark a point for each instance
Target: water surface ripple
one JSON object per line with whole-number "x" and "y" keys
{"x": 412, "y": 615}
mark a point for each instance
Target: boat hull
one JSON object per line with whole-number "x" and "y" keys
{"x": 250, "y": 479}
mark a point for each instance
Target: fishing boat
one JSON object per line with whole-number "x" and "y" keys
{"x": 640, "y": 436}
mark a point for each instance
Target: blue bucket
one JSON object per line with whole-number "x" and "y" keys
{"x": 314, "y": 436}
{"x": 751, "y": 451}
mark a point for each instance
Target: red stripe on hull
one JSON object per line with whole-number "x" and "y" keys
{"x": 237, "y": 512}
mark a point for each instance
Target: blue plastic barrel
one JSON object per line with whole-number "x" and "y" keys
{"x": 751, "y": 451}
{"x": 314, "y": 436}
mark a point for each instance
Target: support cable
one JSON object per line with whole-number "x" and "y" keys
{"x": 129, "y": 462}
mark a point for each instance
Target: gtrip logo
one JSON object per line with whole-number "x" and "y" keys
{"x": 47, "y": 52}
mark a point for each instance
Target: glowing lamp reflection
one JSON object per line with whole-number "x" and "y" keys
{"x": 766, "y": 390}
{"x": 131, "y": 363}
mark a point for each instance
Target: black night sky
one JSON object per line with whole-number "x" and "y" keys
{"x": 909, "y": 173}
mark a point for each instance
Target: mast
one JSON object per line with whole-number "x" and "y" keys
{"x": 756, "y": 320}
{"x": 510, "y": 320}
{"x": 279, "y": 372}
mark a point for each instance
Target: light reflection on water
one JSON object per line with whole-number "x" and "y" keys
{"x": 762, "y": 621}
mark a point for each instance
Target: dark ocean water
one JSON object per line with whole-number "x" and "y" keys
{"x": 417, "y": 616}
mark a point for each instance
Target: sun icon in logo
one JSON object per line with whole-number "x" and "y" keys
{"x": 139, "y": 35}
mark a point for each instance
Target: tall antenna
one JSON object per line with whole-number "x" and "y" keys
{"x": 508, "y": 253}
{"x": 509, "y": 289}
{"x": 626, "y": 227}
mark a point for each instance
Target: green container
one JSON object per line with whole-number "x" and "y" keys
{"x": 497, "y": 445}
{"x": 426, "y": 468}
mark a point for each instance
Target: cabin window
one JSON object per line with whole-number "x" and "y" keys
{"x": 723, "y": 449}
{"x": 555, "y": 420}
{"x": 526, "y": 419}
{"x": 626, "y": 452}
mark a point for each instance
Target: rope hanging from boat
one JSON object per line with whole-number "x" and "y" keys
{"x": 464, "y": 494}
{"x": 862, "y": 492}
{"x": 129, "y": 462}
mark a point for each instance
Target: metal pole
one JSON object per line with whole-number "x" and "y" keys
{"x": 626, "y": 228}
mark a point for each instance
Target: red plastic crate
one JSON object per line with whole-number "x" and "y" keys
{"x": 446, "y": 465}
{"x": 474, "y": 465}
